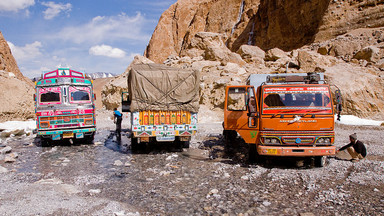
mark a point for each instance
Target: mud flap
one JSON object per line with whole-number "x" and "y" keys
{"x": 79, "y": 135}
{"x": 56, "y": 137}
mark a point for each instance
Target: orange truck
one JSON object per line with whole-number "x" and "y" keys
{"x": 286, "y": 115}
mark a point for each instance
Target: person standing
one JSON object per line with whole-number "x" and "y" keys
{"x": 355, "y": 148}
{"x": 117, "y": 119}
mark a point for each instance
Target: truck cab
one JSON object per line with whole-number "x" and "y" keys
{"x": 290, "y": 115}
{"x": 64, "y": 106}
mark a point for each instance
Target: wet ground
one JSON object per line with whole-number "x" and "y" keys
{"x": 106, "y": 178}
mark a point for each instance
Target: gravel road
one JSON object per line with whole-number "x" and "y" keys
{"x": 106, "y": 178}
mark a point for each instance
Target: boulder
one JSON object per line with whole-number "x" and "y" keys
{"x": 251, "y": 53}
{"x": 306, "y": 61}
{"x": 211, "y": 47}
{"x": 370, "y": 54}
{"x": 275, "y": 54}
{"x": 5, "y": 150}
{"x": 322, "y": 50}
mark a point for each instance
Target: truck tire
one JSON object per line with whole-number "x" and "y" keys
{"x": 252, "y": 155}
{"x": 320, "y": 161}
{"x": 44, "y": 142}
{"x": 89, "y": 139}
{"x": 185, "y": 144}
{"x": 134, "y": 144}
{"x": 229, "y": 138}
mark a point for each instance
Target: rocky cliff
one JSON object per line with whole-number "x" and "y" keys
{"x": 16, "y": 90}
{"x": 267, "y": 24}
{"x": 230, "y": 39}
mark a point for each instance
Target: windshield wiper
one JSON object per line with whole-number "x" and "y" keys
{"x": 312, "y": 111}
{"x": 285, "y": 111}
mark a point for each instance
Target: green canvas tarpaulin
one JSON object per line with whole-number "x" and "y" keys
{"x": 158, "y": 87}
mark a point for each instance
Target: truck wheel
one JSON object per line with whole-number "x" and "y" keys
{"x": 44, "y": 142}
{"x": 185, "y": 144}
{"x": 229, "y": 138}
{"x": 320, "y": 161}
{"x": 89, "y": 139}
{"x": 134, "y": 144}
{"x": 252, "y": 155}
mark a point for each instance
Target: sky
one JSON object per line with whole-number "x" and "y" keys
{"x": 87, "y": 35}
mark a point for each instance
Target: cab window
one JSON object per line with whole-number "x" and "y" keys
{"x": 79, "y": 94}
{"x": 50, "y": 97}
{"x": 236, "y": 100}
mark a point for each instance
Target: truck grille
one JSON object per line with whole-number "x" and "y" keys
{"x": 294, "y": 140}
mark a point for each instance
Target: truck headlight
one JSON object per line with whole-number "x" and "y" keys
{"x": 324, "y": 141}
{"x": 88, "y": 121}
{"x": 271, "y": 141}
{"x": 44, "y": 124}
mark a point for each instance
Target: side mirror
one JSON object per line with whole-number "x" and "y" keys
{"x": 339, "y": 101}
{"x": 94, "y": 96}
{"x": 125, "y": 102}
{"x": 252, "y": 107}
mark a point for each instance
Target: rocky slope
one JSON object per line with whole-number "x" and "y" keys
{"x": 286, "y": 25}
{"x": 353, "y": 62}
{"x": 16, "y": 90}
{"x": 229, "y": 40}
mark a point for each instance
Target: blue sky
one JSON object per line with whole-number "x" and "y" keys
{"x": 89, "y": 35}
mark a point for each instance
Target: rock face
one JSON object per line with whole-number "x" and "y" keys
{"x": 359, "y": 76}
{"x": 267, "y": 24}
{"x": 227, "y": 40}
{"x": 16, "y": 90}
{"x": 8, "y": 62}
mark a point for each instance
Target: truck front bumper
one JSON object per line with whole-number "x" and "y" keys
{"x": 296, "y": 151}
{"x": 67, "y": 133}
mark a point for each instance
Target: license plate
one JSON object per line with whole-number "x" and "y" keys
{"x": 272, "y": 151}
{"x": 165, "y": 138}
{"x": 67, "y": 135}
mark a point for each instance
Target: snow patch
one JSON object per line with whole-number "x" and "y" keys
{"x": 354, "y": 120}
{"x": 9, "y": 126}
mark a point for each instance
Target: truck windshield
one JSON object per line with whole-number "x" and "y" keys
{"x": 296, "y": 100}
{"x": 79, "y": 94}
{"x": 50, "y": 96}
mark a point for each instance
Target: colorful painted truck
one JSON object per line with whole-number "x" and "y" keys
{"x": 64, "y": 105}
{"x": 282, "y": 115}
{"x": 164, "y": 102}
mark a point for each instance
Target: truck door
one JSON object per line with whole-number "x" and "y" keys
{"x": 241, "y": 112}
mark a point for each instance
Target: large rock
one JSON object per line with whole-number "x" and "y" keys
{"x": 251, "y": 53}
{"x": 211, "y": 47}
{"x": 371, "y": 54}
{"x": 363, "y": 93}
{"x": 275, "y": 54}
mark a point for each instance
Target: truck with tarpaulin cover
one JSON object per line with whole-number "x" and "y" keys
{"x": 64, "y": 106}
{"x": 290, "y": 115}
{"x": 163, "y": 102}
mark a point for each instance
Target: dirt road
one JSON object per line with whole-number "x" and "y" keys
{"x": 106, "y": 178}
